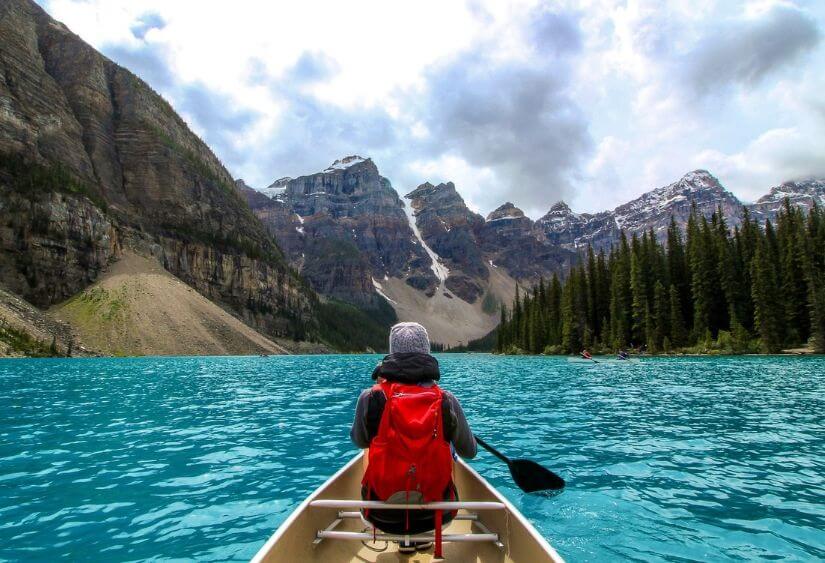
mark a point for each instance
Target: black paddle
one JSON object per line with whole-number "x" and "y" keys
{"x": 528, "y": 475}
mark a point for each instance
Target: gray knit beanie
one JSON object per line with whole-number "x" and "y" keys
{"x": 409, "y": 337}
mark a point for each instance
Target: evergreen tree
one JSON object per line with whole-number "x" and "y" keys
{"x": 620, "y": 295}
{"x": 815, "y": 265}
{"x": 571, "y": 340}
{"x": 704, "y": 284}
{"x": 593, "y": 313}
{"x": 753, "y": 282}
{"x": 501, "y": 333}
{"x": 661, "y": 328}
{"x": 768, "y": 309}
{"x": 678, "y": 337}
{"x": 794, "y": 285}
{"x": 603, "y": 298}
{"x": 554, "y": 312}
{"x": 678, "y": 270}
{"x": 639, "y": 301}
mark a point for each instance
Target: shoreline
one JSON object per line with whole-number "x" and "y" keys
{"x": 787, "y": 353}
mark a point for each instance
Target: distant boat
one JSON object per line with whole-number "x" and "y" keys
{"x": 328, "y": 526}
{"x": 603, "y": 360}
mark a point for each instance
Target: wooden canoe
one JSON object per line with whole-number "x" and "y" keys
{"x": 488, "y": 527}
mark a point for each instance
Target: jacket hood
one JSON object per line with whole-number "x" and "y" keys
{"x": 408, "y": 367}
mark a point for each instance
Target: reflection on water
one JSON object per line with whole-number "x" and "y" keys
{"x": 667, "y": 459}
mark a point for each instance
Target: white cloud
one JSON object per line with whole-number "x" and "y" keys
{"x": 641, "y": 90}
{"x": 774, "y": 157}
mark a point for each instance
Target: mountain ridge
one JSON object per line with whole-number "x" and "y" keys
{"x": 461, "y": 248}
{"x": 93, "y": 162}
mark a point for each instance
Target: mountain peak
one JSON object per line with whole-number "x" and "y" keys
{"x": 427, "y": 189}
{"x": 276, "y": 188}
{"x": 697, "y": 180}
{"x": 346, "y": 162}
{"x": 559, "y": 214}
{"x": 506, "y": 211}
{"x": 811, "y": 188}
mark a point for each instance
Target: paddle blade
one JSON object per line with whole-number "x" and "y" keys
{"x": 532, "y": 477}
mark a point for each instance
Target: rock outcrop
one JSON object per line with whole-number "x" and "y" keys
{"x": 115, "y": 165}
{"x": 512, "y": 241}
{"x": 652, "y": 210}
{"x": 802, "y": 193}
{"x": 449, "y": 229}
{"x": 342, "y": 228}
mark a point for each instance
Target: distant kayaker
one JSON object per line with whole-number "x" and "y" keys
{"x": 409, "y": 425}
{"x": 586, "y": 355}
{"x": 622, "y": 355}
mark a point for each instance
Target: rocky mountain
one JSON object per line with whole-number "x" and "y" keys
{"x": 347, "y": 231}
{"x": 449, "y": 228}
{"x": 512, "y": 241}
{"x": 803, "y": 193}
{"x": 652, "y": 210}
{"x": 93, "y": 161}
{"x": 94, "y": 166}
{"x": 343, "y": 228}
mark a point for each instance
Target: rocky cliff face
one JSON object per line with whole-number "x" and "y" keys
{"x": 512, "y": 241}
{"x": 572, "y": 230}
{"x": 449, "y": 228}
{"x": 346, "y": 230}
{"x": 802, "y": 193}
{"x": 652, "y": 210}
{"x": 344, "y": 227}
{"x": 128, "y": 165}
{"x": 52, "y": 245}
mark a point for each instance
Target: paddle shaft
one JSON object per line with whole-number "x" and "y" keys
{"x": 492, "y": 450}
{"x": 586, "y": 358}
{"x": 528, "y": 475}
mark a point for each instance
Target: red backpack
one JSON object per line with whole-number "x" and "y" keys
{"x": 410, "y": 453}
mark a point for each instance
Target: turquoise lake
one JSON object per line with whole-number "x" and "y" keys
{"x": 201, "y": 458}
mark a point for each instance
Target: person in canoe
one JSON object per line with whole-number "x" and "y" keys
{"x": 622, "y": 355}
{"x": 585, "y": 354}
{"x": 411, "y": 427}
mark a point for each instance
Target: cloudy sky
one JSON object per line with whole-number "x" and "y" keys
{"x": 590, "y": 101}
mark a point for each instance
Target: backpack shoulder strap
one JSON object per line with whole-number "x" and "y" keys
{"x": 448, "y": 418}
{"x": 375, "y": 410}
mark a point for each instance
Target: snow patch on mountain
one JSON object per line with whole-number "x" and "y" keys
{"x": 346, "y": 162}
{"x": 802, "y": 193}
{"x": 651, "y": 210}
{"x": 813, "y": 189}
{"x": 698, "y": 185}
{"x": 439, "y": 269}
{"x": 560, "y": 212}
{"x": 276, "y": 189}
{"x": 380, "y": 290}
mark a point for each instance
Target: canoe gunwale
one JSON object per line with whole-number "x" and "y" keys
{"x": 510, "y": 521}
{"x": 282, "y": 529}
{"x": 514, "y": 513}
{"x": 446, "y": 505}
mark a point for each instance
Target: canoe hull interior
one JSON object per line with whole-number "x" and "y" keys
{"x": 293, "y": 541}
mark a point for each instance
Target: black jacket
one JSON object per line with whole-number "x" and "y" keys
{"x": 410, "y": 369}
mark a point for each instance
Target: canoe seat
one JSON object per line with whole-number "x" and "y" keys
{"x": 371, "y": 534}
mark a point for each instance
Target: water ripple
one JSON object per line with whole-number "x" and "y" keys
{"x": 170, "y": 458}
